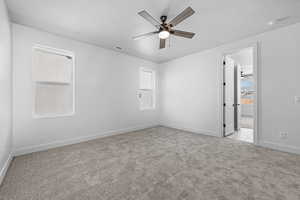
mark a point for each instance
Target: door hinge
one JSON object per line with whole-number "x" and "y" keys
{"x": 224, "y": 125}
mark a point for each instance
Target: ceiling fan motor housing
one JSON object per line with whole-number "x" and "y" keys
{"x": 163, "y": 18}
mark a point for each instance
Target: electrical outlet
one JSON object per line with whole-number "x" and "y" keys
{"x": 283, "y": 135}
{"x": 297, "y": 99}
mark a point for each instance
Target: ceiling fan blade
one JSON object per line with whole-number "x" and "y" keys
{"x": 149, "y": 18}
{"x": 162, "y": 43}
{"x": 182, "y": 33}
{"x": 182, "y": 16}
{"x": 145, "y": 35}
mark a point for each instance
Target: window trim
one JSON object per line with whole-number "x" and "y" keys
{"x": 56, "y": 51}
{"x": 144, "y": 69}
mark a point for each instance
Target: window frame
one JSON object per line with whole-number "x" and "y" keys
{"x": 62, "y": 52}
{"x": 144, "y": 69}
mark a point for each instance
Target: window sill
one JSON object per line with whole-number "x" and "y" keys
{"x": 146, "y": 109}
{"x": 52, "y": 83}
{"x": 36, "y": 116}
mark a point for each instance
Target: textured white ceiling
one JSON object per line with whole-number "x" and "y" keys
{"x": 111, "y": 23}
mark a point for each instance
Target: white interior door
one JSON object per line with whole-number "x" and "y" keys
{"x": 238, "y": 97}
{"x": 228, "y": 96}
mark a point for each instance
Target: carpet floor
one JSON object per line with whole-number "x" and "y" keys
{"x": 159, "y": 164}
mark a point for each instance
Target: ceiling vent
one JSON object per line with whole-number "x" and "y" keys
{"x": 279, "y": 20}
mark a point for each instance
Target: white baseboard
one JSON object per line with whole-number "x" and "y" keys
{"x": 42, "y": 147}
{"x": 270, "y": 145}
{"x": 189, "y": 129}
{"x": 280, "y": 147}
{"x": 5, "y": 168}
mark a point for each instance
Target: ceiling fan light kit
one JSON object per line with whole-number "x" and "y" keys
{"x": 163, "y": 34}
{"x": 166, "y": 29}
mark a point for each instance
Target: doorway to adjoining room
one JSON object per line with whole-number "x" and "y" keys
{"x": 239, "y": 95}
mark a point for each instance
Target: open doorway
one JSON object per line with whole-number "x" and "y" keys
{"x": 239, "y": 95}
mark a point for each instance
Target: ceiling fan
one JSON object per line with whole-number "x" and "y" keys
{"x": 166, "y": 29}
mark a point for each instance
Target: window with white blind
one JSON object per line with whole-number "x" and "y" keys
{"x": 53, "y": 82}
{"x": 147, "y": 89}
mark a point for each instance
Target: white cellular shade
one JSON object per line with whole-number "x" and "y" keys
{"x": 53, "y": 78}
{"x": 51, "y": 67}
{"x": 146, "y": 80}
{"x": 53, "y": 99}
{"x": 147, "y": 87}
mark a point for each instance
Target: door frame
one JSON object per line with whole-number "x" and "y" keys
{"x": 256, "y": 83}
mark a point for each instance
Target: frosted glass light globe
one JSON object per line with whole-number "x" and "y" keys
{"x": 163, "y": 34}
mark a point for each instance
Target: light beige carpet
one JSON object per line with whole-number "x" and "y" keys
{"x": 158, "y": 164}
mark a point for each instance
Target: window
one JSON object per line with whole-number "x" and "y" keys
{"x": 147, "y": 89}
{"x": 53, "y": 82}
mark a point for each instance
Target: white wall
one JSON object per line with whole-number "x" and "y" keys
{"x": 189, "y": 93}
{"x": 106, "y": 100}
{"x": 190, "y": 89}
{"x": 5, "y": 90}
